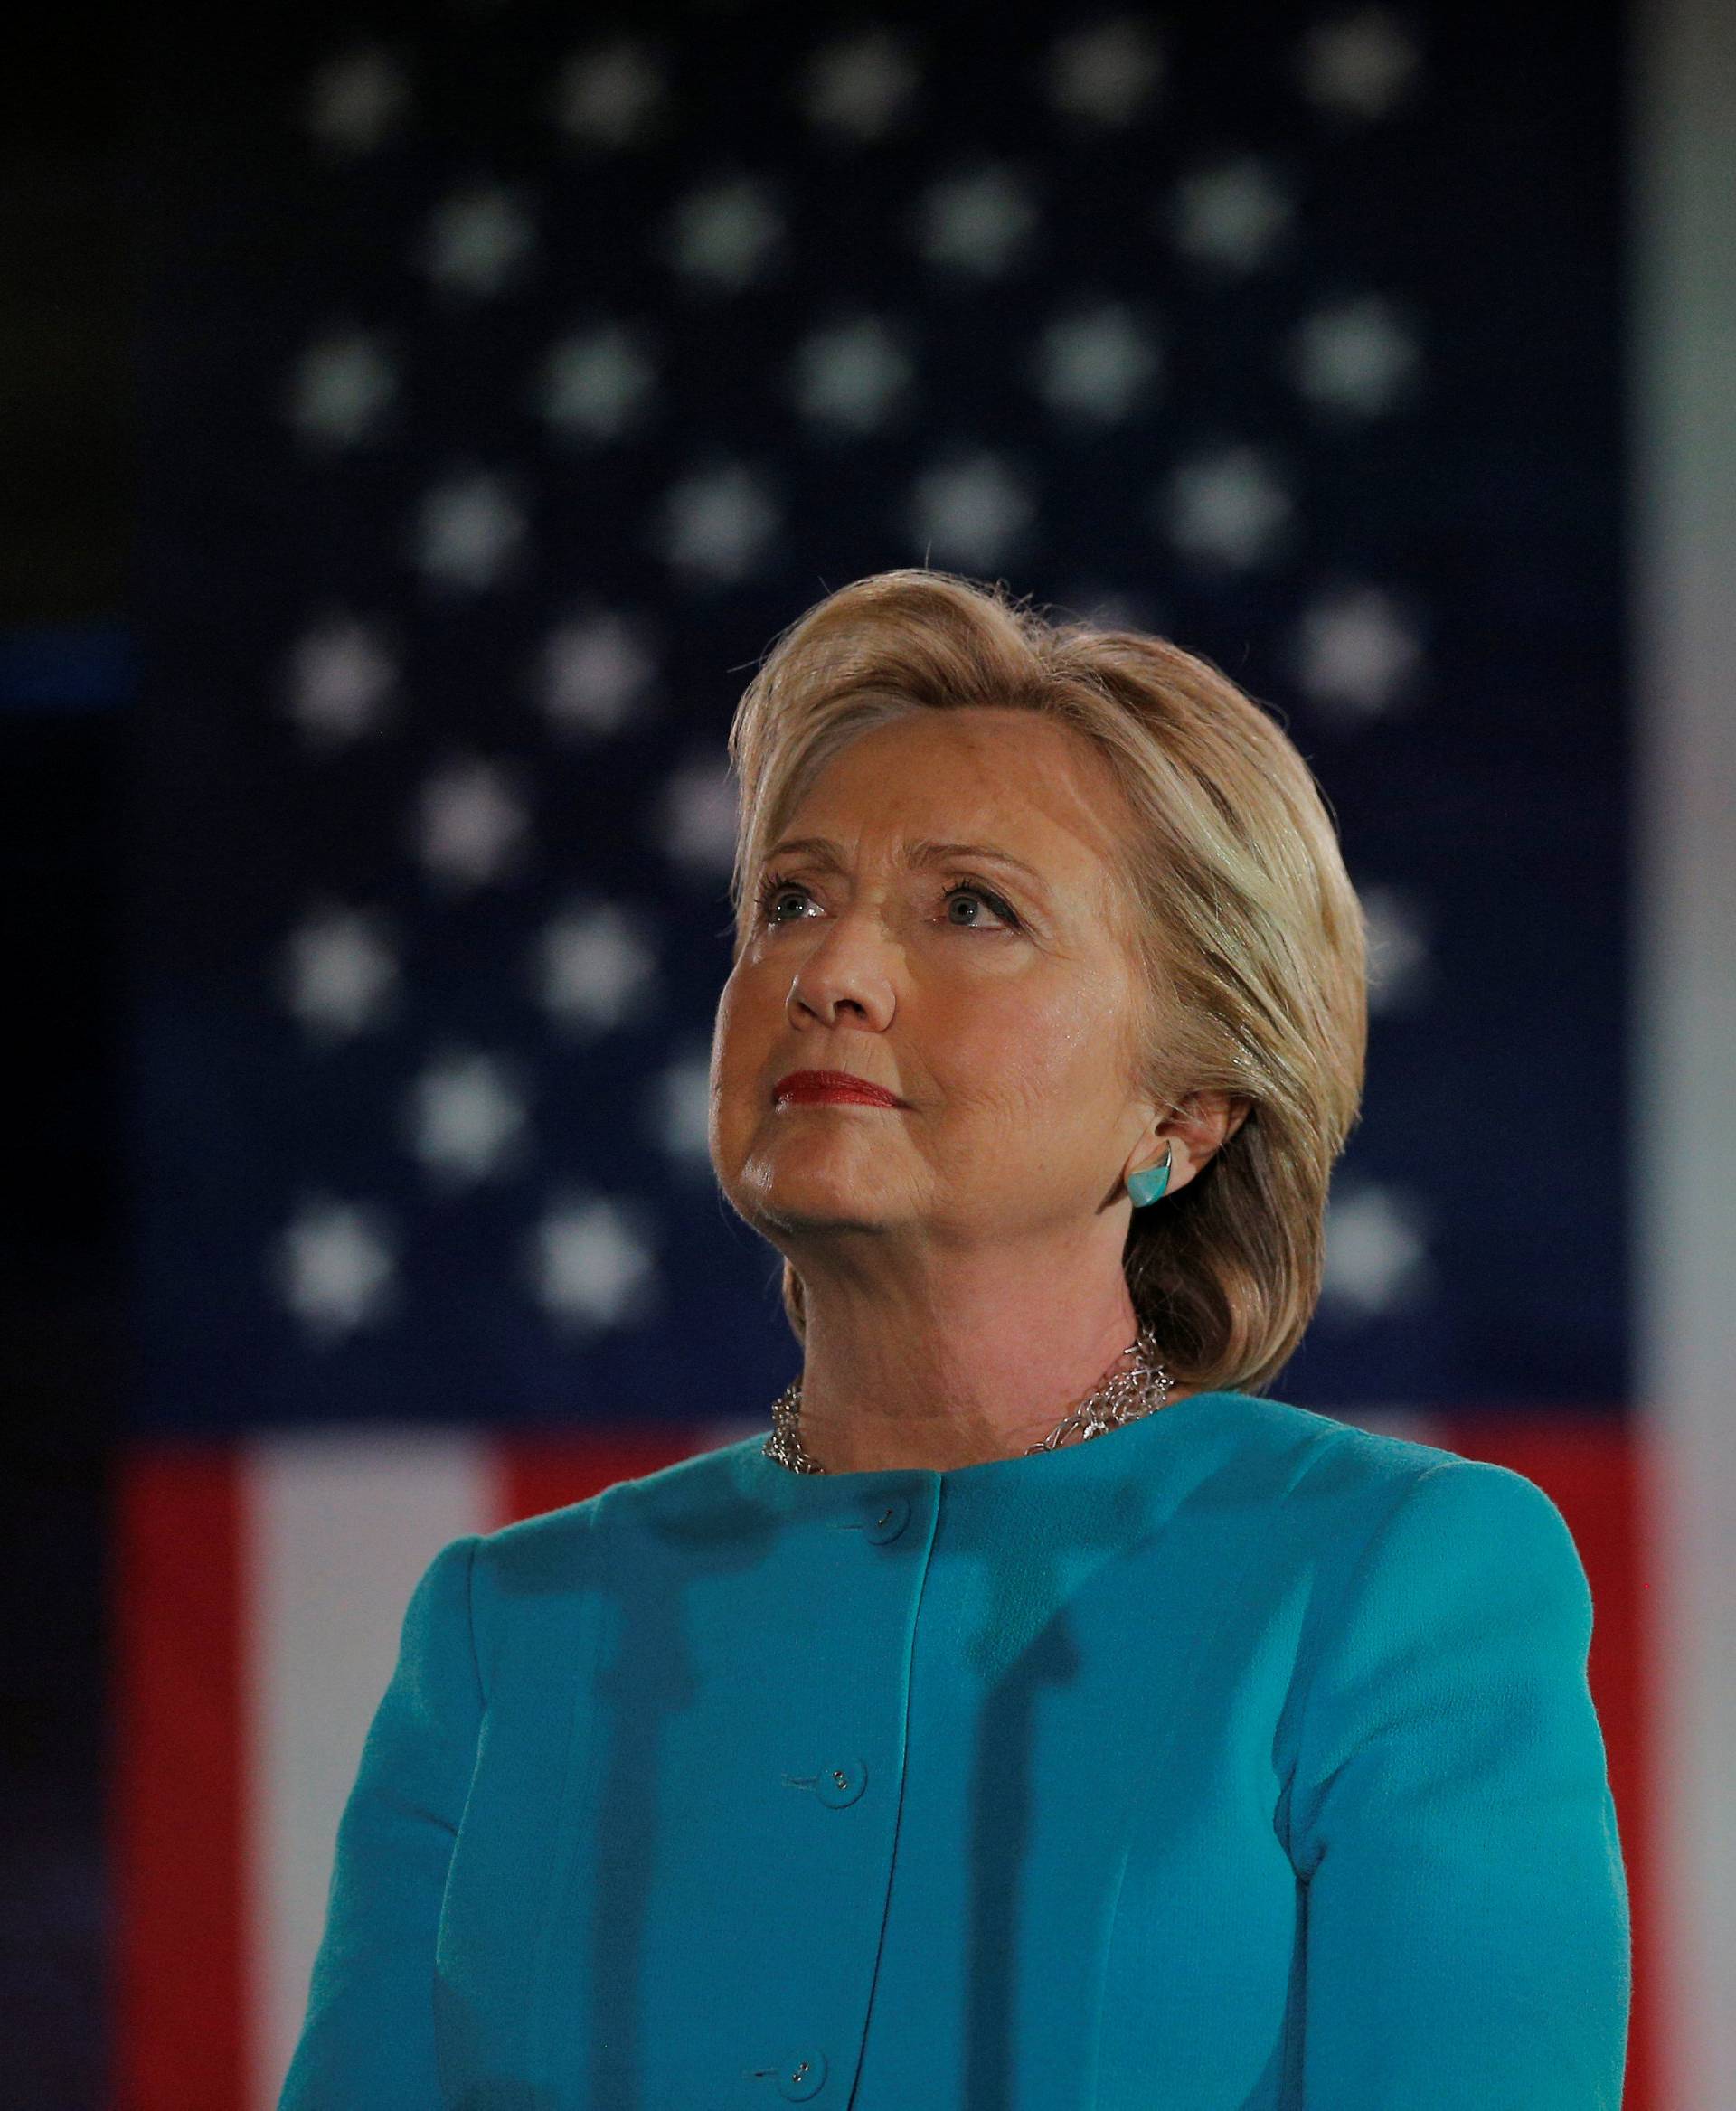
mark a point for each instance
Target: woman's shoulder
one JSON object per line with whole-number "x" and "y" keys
{"x": 1338, "y": 1485}
{"x": 1282, "y": 1449}
{"x": 557, "y": 1543}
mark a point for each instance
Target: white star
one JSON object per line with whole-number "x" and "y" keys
{"x": 594, "y": 968}
{"x": 859, "y": 86}
{"x": 678, "y": 1109}
{"x": 478, "y": 241}
{"x": 698, "y": 815}
{"x": 333, "y": 1266}
{"x": 1358, "y": 357}
{"x": 716, "y": 523}
{"x": 971, "y": 512}
{"x": 1105, "y": 75}
{"x": 610, "y": 96}
{"x": 464, "y": 1117}
{"x": 1095, "y": 365}
{"x": 1377, "y": 1255}
{"x": 589, "y": 1262}
{"x": 1226, "y": 508}
{"x": 340, "y": 973}
{"x": 341, "y": 675}
{"x": 596, "y": 672}
{"x": 977, "y": 222}
{"x": 851, "y": 376}
{"x": 342, "y": 389}
{"x": 1232, "y": 216}
{"x": 1360, "y": 66}
{"x": 472, "y": 827}
{"x": 1114, "y": 608}
{"x": 356, "y": 102}
{"x": 1357, "y": 650}
{"x": 725, "y": 234}
{"x": 469, "y": 531}
{"x": 597, "y": 385}
{"x": 1397, "y": 949}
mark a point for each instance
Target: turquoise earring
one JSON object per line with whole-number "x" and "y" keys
{"x": 1148, "y": 1185}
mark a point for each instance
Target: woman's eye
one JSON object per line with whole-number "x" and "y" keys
{"x": 773, "y": 899}
{"x": 982, "y": 894}
{"x": 777, "y": 892}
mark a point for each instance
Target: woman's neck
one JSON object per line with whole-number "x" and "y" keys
{"x": 948, "y": 1374}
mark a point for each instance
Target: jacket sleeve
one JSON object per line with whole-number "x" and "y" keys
{"x": 1466, "y": 1919}
{"x": 367, "y": 2040}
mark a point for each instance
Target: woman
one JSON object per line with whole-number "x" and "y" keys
{"x": 1040, "y": 1716}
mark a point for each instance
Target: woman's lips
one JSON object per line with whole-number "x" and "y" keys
{"x": 809, "y": 1086}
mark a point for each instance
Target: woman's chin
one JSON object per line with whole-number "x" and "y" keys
{"x": 811, "y": 1178}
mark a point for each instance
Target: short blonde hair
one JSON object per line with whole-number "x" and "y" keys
{"x": 1249, "y": 935}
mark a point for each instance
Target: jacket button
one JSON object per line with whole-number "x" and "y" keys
{"x": 801, "y": 2075}
{"x": 886, "y": 1520}
{"x": 842, "y": 1784}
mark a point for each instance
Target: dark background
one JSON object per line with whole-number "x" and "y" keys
{"x": 70, "y": 269}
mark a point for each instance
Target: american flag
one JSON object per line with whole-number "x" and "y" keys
{"x": 513, "y": 376}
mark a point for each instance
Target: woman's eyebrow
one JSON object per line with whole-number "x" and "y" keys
{"x": 825, "y": 853}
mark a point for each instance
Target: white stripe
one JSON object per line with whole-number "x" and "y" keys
{"x": 338, "y": 1528}
{"x": 1684, "y": 989}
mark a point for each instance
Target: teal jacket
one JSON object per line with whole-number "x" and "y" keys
{"x": 1238, "y": 1758}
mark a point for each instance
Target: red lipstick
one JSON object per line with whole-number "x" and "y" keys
{"x": 811, "y": 1086}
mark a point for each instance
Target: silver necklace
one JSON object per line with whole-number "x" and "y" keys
{"x": 1142, "y": 1389}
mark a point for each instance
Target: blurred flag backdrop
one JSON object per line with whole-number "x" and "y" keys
{"x": 513, "y": 375}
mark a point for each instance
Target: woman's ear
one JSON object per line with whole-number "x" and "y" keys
{"x": 1197, "y": 1126}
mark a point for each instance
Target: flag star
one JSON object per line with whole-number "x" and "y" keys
{"x": 678, "y": 1109}
{"x": 1115, "y": 607}
{"x": 594, "y": 968}
{"x": 1096, "y": 364}
{"x": 1357, "y": 650}
{"x": 1358, "y": 357}
{"x": 725, "y": 234}
{"x": 716, "y": 523}
{"x": 852, "y": 375}
{"x": 1362, "y": 65}
{"x": 464, "y": 1117}
{"x": 1398, "y": 948}
{"x": 597, "y": 385}
{"x": 971, "y": 512}
{"x": 341, "y": 675}
{"x": 1232, "y": 216}
{"x": 342, "y": 389}
{"x": 859, "y": 86}
{"x": 469, "y": 531}
{"x": 333, "y": 1266}
{"x": 591, "y": 1262}
{"x": 1227, "y": 508}
{"x": 472, "y": 827}
{"x": 1105, "y": 75}
{"x": 356, "y": 102}
{"x": 340, "y": 973}
{"x": 977, "y": 221}
{"x": 611, "y": 97}
{"x": 698, "y": 816}
{"x": 595, "y": 674}
{"x": 1376, "y": 1253}
{"x": 478, "y": 241}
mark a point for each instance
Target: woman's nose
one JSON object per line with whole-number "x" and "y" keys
{"x": 848, "y": 968}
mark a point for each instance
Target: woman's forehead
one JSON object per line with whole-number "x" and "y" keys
{"x": 1015, "y": 778}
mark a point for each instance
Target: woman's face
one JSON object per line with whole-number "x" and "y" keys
{"x": 997, "y": 1002}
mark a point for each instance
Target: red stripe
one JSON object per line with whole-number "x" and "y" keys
{"x": 1589, "y": 1466}
{"x": 176, "y": 1811}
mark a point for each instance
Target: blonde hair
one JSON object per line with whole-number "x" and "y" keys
{"x": 1249, "y": 935}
